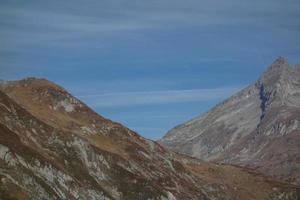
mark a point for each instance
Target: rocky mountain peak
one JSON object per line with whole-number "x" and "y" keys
{"x": 279, "y": 85}
{"x": 280, "y": 62}
{"x": 250, "y": 128}
{"x": 275, "y": 72}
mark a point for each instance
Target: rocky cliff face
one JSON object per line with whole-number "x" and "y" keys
{"x": 52, "y": 146}
{"x": 258, "y": 127}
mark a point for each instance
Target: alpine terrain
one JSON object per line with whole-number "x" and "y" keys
{"x": 259, "y": 127}
{"x": 52, "y": 146}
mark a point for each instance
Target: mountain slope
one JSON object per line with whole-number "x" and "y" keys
{"x": 258, "y": 127}
{"x": 52, "y": 146}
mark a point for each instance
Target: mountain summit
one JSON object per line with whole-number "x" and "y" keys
{"x": 259, "y": 127}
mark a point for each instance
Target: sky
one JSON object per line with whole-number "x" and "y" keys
{"x": 150, "y": 65}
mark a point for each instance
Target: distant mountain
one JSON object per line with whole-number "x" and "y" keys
{"x": 52, "y": 146}
{"x": 258, "y": 127}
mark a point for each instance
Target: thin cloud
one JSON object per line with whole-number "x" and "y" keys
{"x": 28, "y": 26}
{"x": 157, "y": 97}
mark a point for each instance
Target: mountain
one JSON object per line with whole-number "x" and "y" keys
{"x": 53, "y": 146}
{"x": 259, "y": 127}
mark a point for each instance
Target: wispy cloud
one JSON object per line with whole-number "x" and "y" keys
{"x": 157, "y": 97}
{"x": 91, "y": 88}
{"x": 52, "y": 27}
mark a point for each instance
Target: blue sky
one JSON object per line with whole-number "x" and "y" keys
{"x": 147, "y": 64}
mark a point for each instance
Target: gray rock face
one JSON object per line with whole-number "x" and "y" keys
{"x": 257, "y": 127}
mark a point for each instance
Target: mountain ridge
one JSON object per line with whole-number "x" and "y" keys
{"x": 52, "y": 146}
{"x": 250, "y": 118}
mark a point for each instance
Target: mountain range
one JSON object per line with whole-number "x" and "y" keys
{"x": 258, "y": 127}
{"x": 53, "y": 146}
